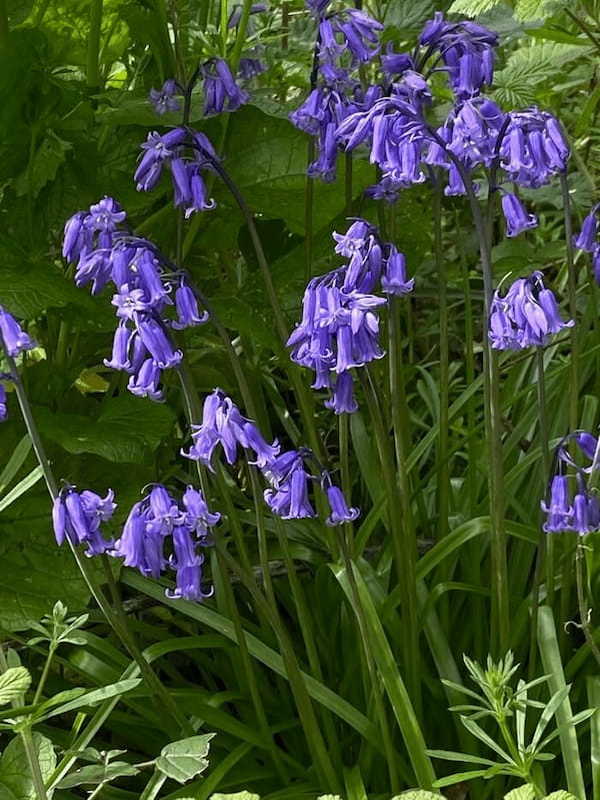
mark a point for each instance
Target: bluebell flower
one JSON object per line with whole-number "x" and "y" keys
{"x": 340, "y": 511}
{"x": 342, "y": 399}
{"x": 186, "y": 305}
{"x": 156, "y": 340}
{"x": 394, "y": 279}
{"x": 250, "y": 68}
{"x": 221, "y": 92}
{"x": 533, "y": 148}
{"x": 165, "y": 99}
{"x": 587, "y": 237}
{"x": 145, "y": 382}
{"x": 526, "y": 316}
{"x": 3, "y": 403}
{"x": 586, "y": 443}
{"x": 141, "y": 547}
{"x": 236, "y": 14}
{"x": 196, "y": 514}
{"x": 14, "y": 339}
{"x": 559, "y": 510}
{"x": 516, "y": 217}
{"x": 79, "y": 517}
{"x": 288, "y": 494}
{"x": 396, "y": 63}
{"x": 223, "y": 424}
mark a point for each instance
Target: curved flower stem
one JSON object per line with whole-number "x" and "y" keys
{"x": 584, "y": 610}
{"x": 120, "y": 629}
{"x": 347, "y": 550}
{"x": 545, "y": 552}
{"x": 309, "y": 197}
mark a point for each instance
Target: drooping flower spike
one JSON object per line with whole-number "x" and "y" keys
{"x": 221, "y": 92}
{"x": 14, "y": 339}
{"x": 79, "y": 517}
{"x": 161, "y": 532}
{"x": 526, "y": 316}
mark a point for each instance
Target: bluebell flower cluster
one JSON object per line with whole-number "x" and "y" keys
{"x": 570, "y": 505}
{"x": 339, "y": 330}
{"x": 344, "y": 41}
{"x": 587, "y": 239}
{"x": 151, "y": 299}
{"x": 161, "y": 532}
{"x": 165, "y": 99}
{"x": 224, "y": 429}
{"x": 78, "y": 517}
{"x": 526, "y": 316}
{"x": 184, "y": 153}
{"x": 221, "y": 92}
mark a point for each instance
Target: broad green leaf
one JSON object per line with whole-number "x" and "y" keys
{"x": 126, "y": 430}
{"x": 560, "y": 795}
{"x": 93, "y": 697}
{"x": 14, "y": 682}
{"x": 98, "y": 773}
{"x": 472, "y": 8}
{"x": 44, "y": 165}
{"x": 245, "y": 795}
{"x": 528, "y": 10}
{"x": 525, "y": 792}
{"x": 186, "y": 758}
{"x": 15, "y": 778}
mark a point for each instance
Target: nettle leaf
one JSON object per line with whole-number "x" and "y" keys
{"x": 560, "y": 795}
{"x": 418, "y": 794}
{"x": 125, "y": 431}
{"x": 46, "y": 161}
{"x": 245, "y": 795}
{"x": 98, "y": 773}
{"x": 15, "y": 777}
{"x": 529, "y": 10}
{"x": 13, "y": 682}
{"x": 186, "y": 758}
{"x": 529, "y": 67}
{"x": 525, "y": 792}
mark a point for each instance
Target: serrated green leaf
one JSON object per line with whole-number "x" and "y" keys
{"x": 561, "y": 794}
{"x": 418, "y": 794}
{"x": 525, "y": 792}
{"x": 15, "y": 778}
{"x": 186, "y": 758}
{"x": 245, "y": 795}
{"x": 528, "y": 10}
{"x": 472, "y": 8}
{"x": 13, "y": 682}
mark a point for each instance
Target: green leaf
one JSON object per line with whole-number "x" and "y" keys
{"x": 93, "y": 697}
{"x": 21, "y": 487}
{"x": 560, "y": 795}
{"x": 525, "y": 792}
{"x": 15, "y": 462}
{"x": 245, "y": 795}
{"x": 186, "y": 758}
{"x": 98, "y": 773}
{"x": 44, "y": 165}
{"x": 15, "y": 778}
{"x": 528, "y": 10}
{"x": 472, "y": 8}
{"x": 126, "y": 430}
{"x": 13, "y": 682}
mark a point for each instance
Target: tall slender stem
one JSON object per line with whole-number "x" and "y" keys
{"x": 443, "y": 454}
{"x": 545, "y": 551}
{"x": 572, "y": 293}
{"x": 93, "y": 45}
{"x": 584, "y": 610}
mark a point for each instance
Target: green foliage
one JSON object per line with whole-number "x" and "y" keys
{"x": 185, "y": 759}
{"x": 14, "y": 682}
{"x": 16, "y": 782}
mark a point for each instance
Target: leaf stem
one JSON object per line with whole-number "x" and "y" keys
{"x": 93, "y": 77}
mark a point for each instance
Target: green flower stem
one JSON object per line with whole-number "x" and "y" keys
{"x": 241, "y": 35}
{"x": 584, "y": 609}
{"x": 28, "y": 743}
{"x": 545, "y": 552}
{"x": 153, "y": 786}
{"x": 314, "y": 738}
{"x": 93, "y": 77}
{"x": 572, "y": 295}
{"x": 443, "y": 453}
{"x": 346, "y": 540}
{"x": 400, "y": 521}
{"x": 309, "y": 194}
{"x": 44, "y": 675}
{"x": 122, "y": 633}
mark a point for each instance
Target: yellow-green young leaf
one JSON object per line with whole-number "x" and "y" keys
{"x": 185, "y": 759}
{"x": 15, "y": 777}
{"x": 245, "y": 795}
{"x": 472, "y": 8}
{"x": 13, "y": 682}
{"x": 525, "y": 792}
{"x": 528, "y": 10}
{"x": 560, "y": 795}
{"x": 418, "y": 794}
{"x": 329, "y": 797}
